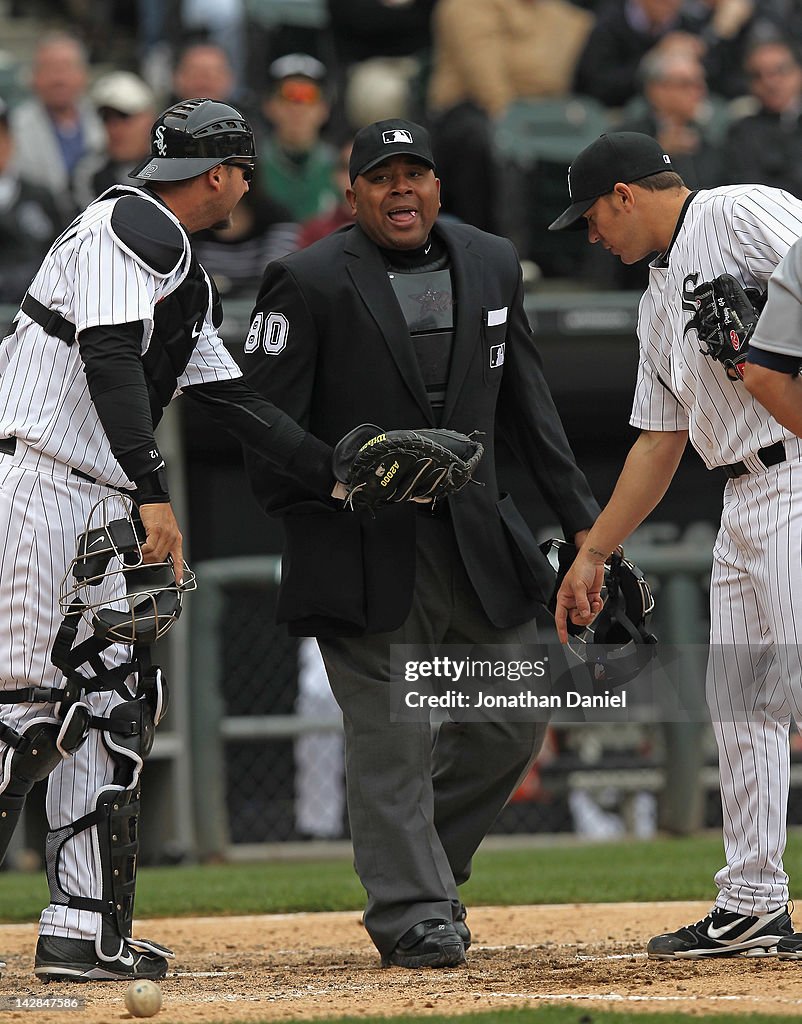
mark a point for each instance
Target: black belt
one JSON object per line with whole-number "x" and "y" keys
{"x": 49, "y": 320}
{"x": 772, "y": 455}
{"x": 8, "y": 446}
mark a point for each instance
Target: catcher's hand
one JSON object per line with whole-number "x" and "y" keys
{"x": 381, "y": 468}
{"x": 725, "y": 320}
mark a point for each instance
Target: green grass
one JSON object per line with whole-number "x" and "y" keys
{"x": 678, "y": 869}
{"x": 549, "y": 1014}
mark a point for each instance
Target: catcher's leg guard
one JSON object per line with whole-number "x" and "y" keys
{"x": 114, "y": 954}
{"x": 128, "y": 736}
{"x": 116, "y": 818}
{"x": 31, "y": 755}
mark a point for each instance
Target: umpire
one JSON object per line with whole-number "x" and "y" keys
{"x": 405, "y": 321}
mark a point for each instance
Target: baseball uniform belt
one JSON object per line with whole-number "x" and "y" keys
{"x": 8, "y": 446}
{"x": 49, "y": 320}
{"x": 772, "y": 455}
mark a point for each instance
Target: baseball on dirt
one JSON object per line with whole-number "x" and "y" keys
{"x": 143, "y": 998}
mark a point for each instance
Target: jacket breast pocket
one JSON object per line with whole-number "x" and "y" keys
{"x": 494, "y": 343}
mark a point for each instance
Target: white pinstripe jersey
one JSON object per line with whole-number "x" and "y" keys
{"x": 743, "y": 230}
{"x": 92, "y": 279}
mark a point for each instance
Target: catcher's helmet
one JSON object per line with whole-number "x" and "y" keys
{"x": 612, "y": 645}
{"x": 121, "y": 598}
{"x": 192, "y": 137}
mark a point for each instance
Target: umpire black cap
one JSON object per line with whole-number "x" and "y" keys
{"x": 192, "y": 137}
{"x": 377, "y": 142}
{"x": 614, "y": 157}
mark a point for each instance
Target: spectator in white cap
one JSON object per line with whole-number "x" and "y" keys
{"x": 126, "y": 106}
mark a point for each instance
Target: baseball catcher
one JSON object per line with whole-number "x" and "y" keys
{"x": 725, "y": 319}
{"x": 384, "y": 467}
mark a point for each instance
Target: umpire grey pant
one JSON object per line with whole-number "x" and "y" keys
{"x": 419, "y": 811}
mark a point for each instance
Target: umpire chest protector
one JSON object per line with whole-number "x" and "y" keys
{"x": 425, "y": 293}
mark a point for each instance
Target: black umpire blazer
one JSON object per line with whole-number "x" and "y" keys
{"x": 329, "y": 345}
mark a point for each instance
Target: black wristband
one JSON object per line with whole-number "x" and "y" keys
{"x": 773, "y": 360}
{"x": 152, "y": 489}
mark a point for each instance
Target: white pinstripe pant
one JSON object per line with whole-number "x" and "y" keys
{"x": 754, "y": 678}
{"x": 42, "y": 510}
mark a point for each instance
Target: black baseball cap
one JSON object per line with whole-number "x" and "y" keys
{"x": 614, "y": 157}
{"x": 376, "y": 142}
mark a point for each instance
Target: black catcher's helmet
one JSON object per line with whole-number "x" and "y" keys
{"x": 191, "y": 137}
{"x": 612, "y": 645}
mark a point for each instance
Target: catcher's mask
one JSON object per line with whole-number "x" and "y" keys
{"x": 192, "y": 137}
{"x": 152, "y": 600}
{"x": 612, "y": 646}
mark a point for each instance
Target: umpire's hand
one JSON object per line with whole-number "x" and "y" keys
{"x": 163, "y": 537}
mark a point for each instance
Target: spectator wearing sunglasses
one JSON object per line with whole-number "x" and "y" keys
{"x": 295, "y": 163}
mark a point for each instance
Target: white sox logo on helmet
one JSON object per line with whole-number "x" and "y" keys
{"x": 161, "y": 145}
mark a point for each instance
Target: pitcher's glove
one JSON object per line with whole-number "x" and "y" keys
{"x": 725, "y": 320}
{"x": 381, "y": 468}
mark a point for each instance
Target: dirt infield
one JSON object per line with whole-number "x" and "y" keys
{"x": 286, "y": 967}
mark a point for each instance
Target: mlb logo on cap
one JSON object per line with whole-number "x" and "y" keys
{"x": 396, "y": 135}
{"x": 377, "y": 142}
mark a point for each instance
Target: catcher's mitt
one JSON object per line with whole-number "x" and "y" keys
{"x": 381, "y": 468}
{"x": 725, "y": 320}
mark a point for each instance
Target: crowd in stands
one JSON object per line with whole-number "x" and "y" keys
{"x": 717, "y": 82}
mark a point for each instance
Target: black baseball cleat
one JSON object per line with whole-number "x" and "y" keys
{"x": 58, "y": 958}
{"x": 790, "y": 947}
{"x": 461, "y": 927}
{"x": 428, "y": 944}
{"x": 723, "y": 933}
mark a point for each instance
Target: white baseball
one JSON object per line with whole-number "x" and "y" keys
{"x": 143, "y": 998}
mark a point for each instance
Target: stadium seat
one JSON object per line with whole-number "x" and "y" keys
{"x": 553, "y": 130}
{"x": 536, "y": 140}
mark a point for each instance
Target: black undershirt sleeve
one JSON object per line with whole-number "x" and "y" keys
{"x": 235, "y": 406}
{"x": 116, "y": 380}
{"x": 111, "y": 355}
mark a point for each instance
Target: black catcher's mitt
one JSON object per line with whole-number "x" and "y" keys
{"x": 380, "y": 468}
{"x": 725, "y": 320}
